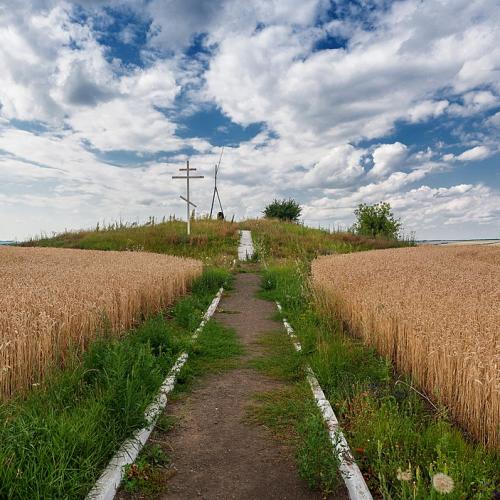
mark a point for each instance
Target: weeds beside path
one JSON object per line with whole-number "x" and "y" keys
{"x": 222, "y": 446}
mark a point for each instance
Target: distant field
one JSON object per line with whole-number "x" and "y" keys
{"x": 53, "y": 300}
{"x": 434, "y": 311}
{"x": 459, "y": 242}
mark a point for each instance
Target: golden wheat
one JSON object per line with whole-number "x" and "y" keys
{"x": 53, "y": 300}
{"x": 435, "y": 312}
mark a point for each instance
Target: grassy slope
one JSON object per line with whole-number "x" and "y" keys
{"x": 281, "y": 240}
{"x": 388, "y": 424}
{"x": 56, "y": 441}
{"x": 211, "y": 241}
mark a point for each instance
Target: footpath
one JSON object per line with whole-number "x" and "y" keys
{"x": 216, "y": 452}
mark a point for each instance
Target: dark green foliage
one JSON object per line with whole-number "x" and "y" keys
{"x": 376, "y": 221}
{"x": 211, "y": 280}
{"x": 285, "y": 210}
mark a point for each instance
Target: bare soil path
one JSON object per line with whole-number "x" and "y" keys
{"x": 216, "y": 452}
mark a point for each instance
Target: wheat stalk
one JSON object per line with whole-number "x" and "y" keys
{"x": 435, "y": 312}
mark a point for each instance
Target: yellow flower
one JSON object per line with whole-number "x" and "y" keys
{"x": 443, "y": 483}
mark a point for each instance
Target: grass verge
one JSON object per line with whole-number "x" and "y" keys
{"x": 291, "y": 413}
{"x": 216, "y": 350}
{"x": 56, "y": 441}
{"x": 400, "y": 442}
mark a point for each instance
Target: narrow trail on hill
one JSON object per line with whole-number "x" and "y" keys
{"x": 216, "y": 452}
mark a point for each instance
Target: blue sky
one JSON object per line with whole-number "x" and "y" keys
{"x": 335, "y": 103}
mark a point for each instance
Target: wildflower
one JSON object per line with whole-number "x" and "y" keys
{"x": 404, "y": 475}
{"x": 443, "y": 483}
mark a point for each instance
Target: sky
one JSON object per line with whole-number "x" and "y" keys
{"x": 331, "y": 102}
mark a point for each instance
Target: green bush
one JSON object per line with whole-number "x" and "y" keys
{"x": 376, "y": 221}
{"x": 286, "y": 210}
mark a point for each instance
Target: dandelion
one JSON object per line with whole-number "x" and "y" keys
{"x": 404, "y": 475}
{"x": 443, "y": 483}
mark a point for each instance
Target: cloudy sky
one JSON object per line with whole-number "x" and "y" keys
{"x": 331, "y": 102}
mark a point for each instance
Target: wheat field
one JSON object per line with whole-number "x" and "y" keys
{"x": 435, "y": 312}
{"x": 56, "y": 300}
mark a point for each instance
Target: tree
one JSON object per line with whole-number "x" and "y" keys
{"x": 376, "y": 221}
{"x": 287, "y": 210}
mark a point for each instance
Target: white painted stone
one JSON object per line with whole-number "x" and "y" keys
{"x": 245, "y": 249}
{"x": 108, "y": 483}
{"x": 353, "y": 479}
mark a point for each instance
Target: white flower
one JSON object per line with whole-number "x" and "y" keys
{"x": 443, "y": 483}
{"x": 404, "y": 475}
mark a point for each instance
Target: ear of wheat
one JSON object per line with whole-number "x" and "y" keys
{"x": 435, "y": 312}
{"x": 54, "y": 300}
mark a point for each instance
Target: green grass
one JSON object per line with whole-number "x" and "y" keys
{"x": 58, "y": 438}
{"x": 216, "y": 350}
{"x": 388, "y": 425}
{"x": 291, "y": 413}
{"x": 215, "y": 242}
{"x": 146, "y": 475}
{"x": 276, "y": 240}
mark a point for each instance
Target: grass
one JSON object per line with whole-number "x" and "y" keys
{"x": 388, "y": 425}
{"x": 291, "y": 413}
{"x": 276, "y": 240}
{"x": 146, "y": 474}
{"x": 58, "y": 438}
{"x": 214, "y": 242}
{"x": 216, "y": 350}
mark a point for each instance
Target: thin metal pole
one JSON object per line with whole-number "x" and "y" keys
{"x": 215, "y": 189}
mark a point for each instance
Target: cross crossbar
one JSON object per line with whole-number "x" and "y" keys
{"x": 189, "y": 203}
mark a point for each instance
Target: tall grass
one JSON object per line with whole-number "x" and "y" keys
{"x": 54, "y": 301}
{"x": 434, "y": 312}
{"x": 212, "y": 241}
{"x": 389, "y": 426}
{"x": 284, "y": 240}
{"x": 56, "y": 439}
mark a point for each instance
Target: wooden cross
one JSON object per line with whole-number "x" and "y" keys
{"x": 187, "y": 200}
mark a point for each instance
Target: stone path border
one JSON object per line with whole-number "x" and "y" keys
{"x": 353, "y": 479}
{"x": 108, "y": 483}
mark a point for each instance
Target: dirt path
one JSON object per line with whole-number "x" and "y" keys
{"x": 216, "y": 453}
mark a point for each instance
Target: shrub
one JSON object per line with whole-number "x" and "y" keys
{"x": 376, "y": 220}
{"x": 287, "y": 210}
